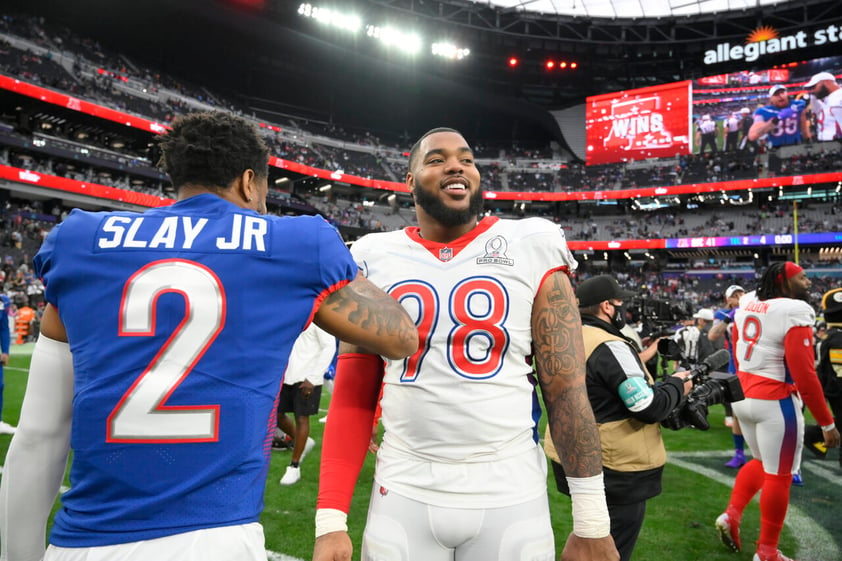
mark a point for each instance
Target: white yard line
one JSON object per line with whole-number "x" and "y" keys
{"x": 814, "y": 542}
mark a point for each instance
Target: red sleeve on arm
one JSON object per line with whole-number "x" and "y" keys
{"x": 799, "y": 356}
{"x": 348, "y": 429}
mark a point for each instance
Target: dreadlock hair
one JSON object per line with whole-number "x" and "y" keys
{"x": 413, "y": 153}
{"x": 212, "y": 149}
{"x": 773, "y": 282}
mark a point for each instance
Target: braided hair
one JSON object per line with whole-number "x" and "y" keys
{"x": 773, "y": 283}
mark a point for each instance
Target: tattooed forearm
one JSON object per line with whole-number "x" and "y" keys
{"x": 371, "y": 316}
{"x": 574, "y": 432}
{"x": 560, "y": 362}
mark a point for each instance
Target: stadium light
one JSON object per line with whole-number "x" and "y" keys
{"x": 331, "y": 17}
{"x": 407, "y": 42}
{"x": 448, "y": 50}
{"x": 550, "y": 64}
{"x": 513, "y": 61}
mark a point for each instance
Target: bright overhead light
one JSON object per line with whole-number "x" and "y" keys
{"x": 405, "y": 41}
{"x": 331, "y": 17}
{"x": 447, "y": 50}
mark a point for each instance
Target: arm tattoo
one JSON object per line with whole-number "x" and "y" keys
{"x": 560, "y": 361}
{"x": 368, "y": 307}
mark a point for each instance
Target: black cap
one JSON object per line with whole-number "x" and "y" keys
{"x": 599, "y": 289}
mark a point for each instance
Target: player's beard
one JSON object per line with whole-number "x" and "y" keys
{"x": 800, "y": 293}
{"x": 821, "y": 92}
{"x": 444, "y": 215}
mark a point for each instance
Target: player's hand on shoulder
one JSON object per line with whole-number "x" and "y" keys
{"x": 589, "y": 549}
{"x": 335, "y": 546}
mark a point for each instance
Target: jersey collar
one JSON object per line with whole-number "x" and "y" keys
{"x": 447, "y": 251}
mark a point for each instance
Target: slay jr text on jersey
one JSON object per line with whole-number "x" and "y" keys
{"x": 242, "y": 232}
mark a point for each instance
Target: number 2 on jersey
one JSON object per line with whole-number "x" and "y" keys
{"x": 477, "y": 342}
{"x": 141, "y": 415}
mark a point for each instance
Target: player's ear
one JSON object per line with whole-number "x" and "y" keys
{"x": 246, "y": 185}
{"x": 410, "y": 183}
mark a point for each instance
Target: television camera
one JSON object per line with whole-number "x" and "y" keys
{"x": 709, "y": 388}
{"x": 658, "y": 315}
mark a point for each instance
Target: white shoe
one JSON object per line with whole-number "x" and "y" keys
{"x": 729, "y": 533}
{"x": 6, "y": 428}
{"x": 308, "y": 447}
{"x": 291, "y": 476}
{"x": 323, "y": 419}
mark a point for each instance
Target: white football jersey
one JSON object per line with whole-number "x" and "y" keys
{"x": 461, "y": 414}
{"x": 762, "y": 327}
{"x": 828, "y": 115}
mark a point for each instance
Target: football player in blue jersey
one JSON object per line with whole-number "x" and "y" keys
{"x": 782, "y": 121}
{"x": 160, "y": 359}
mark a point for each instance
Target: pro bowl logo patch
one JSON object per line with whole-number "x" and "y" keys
{"x": 495, "y": 252}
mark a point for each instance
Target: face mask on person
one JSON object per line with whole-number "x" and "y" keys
{"x": 618, "y": 320}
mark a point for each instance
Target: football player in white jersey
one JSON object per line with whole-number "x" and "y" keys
{"x": 773, "y": 330}
{"x": 460, "y": 475}
{"x": 826, "y": 102}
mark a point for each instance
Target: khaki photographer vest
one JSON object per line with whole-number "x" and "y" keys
{"x": 627, "y": 444}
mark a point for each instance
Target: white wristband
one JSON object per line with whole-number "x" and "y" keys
{"x": 590, "y": 511}
{"x": 330, "y": 520}
{"x": 828, "y": 428}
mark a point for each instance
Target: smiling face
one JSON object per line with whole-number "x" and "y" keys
{"x": 445, "y": 181}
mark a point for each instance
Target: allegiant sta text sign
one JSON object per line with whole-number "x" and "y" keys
{"x": 765, "y": 40}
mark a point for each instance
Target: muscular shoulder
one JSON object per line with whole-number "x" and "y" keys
{"x": 375, "y": 243}
{"x": 528, "y": 227}
{"x": 794, "y": 312}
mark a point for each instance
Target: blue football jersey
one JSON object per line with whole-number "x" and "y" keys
{"x": 5, "y": 329}
{"x": 788, "y": 130}
{"x": 180, "y": 321}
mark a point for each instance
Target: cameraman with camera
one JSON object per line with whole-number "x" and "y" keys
{"x": 628, "y": 407}
{"x": 774, "y": 357}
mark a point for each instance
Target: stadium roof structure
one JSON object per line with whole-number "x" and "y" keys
{"x": 626, "y": 9}
{"x": 274, "y": 61}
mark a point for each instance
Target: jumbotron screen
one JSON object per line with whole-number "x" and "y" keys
{"x": 664, "y": 121}
{"x": 651, "y": 122}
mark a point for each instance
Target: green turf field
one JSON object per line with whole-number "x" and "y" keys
{"x": 679, "y": 523}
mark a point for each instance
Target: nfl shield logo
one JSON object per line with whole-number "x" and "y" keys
{"x": 445, "y": 254}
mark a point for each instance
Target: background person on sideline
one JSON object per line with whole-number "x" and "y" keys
{"x": 302, "y": 391}
{"x": 628, "y": 406}
{"x": 829, "y": 367}
{"x": 721, "y": 330}
{"x": 776, "y": 367}
{"x": 5, "y": 343}
{"x": 167, "y": 398}
{"x": 693, "y": 337}
{"x": 459, "y": 474}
